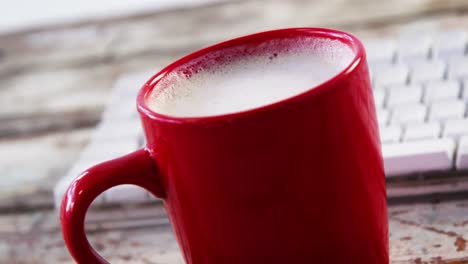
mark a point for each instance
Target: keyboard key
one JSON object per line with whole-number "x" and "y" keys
{"x": 379, "y": 97}
{"x": 141, "y": 141}
{"x": 99, "y": 151}
{"x": 391, "y": 134}
{"x": 455, "y": 128}
{"x": 128, "y": 85}
{"x": 442, "y": 90}
{"x": 458, "y": 68}
{"x": 427, "y": 71}
{"x": 414, "y": 47}
{"x": 391, "y": 75}
{"x": 422, "y": 131}
{"x": 121, "y": 108}
{"x": 380, "y": 50}
{"x": 450, "y": 43}
{"x": 462, "y": 154}
{"x": 446, "y": 110}
{"x": 409, "y": 114}
{"x": 418, "y": 156}
{"x": 126, "y": 193}
{"x": 382, "y": 116}
{"x": 411, "y": 94}
{"x": 117, "y": 129}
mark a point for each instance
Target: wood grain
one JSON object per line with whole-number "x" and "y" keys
{"x": 418, "y": 234}
{"x": 178, "y": 31}
{"x": 31, "y": 166}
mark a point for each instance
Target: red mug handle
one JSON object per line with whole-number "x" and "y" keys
{"x": 136, "y": 168}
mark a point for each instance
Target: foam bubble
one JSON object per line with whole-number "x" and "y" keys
{"x": 246, "y": 77}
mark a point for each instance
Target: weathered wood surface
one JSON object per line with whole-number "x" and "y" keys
{"x": 434, "y": 233}
{"x": 55, "y": 81}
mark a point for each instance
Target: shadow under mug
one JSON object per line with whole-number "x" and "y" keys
{"x": 296, "y": 181}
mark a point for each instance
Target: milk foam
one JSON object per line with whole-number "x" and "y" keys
{"x": 265, "y": 74}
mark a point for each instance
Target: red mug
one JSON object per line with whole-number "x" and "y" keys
{"x": 296, "y": 181}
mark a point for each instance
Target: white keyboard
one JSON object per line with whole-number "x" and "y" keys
{"x": 420, "y": 86}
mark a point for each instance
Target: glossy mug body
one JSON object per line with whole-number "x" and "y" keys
{"x": 297, "y": 181}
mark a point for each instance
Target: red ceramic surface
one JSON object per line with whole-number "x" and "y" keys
{"x": 297, "y": 181}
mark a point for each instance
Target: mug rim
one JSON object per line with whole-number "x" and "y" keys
{"x": 348, "y": 39}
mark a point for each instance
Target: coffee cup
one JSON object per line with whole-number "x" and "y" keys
{"x": 263, "y": 149}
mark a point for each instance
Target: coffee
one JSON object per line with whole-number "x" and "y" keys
{"x": 246, "y": 77}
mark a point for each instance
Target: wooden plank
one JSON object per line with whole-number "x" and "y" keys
{"x": 108, "y": 41}
{"x": 420, "y": 233}
{"x": 31, "y": 166}
{"x": 428, "y": 188}
{"x": 431, "y": 232}
{"x": 54, "y": 100}
{"x": 31, "y": 124}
